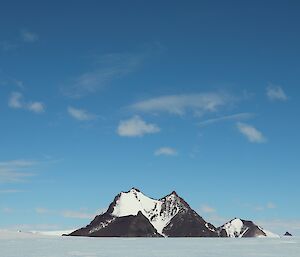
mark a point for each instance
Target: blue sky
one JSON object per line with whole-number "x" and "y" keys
{"x": 201, "y": 97}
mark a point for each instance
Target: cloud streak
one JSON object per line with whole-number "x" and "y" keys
{"x": 136, "y": 127}
{"x": 179, "y": 104}
{"x": 276, "y": 93}
{"x": 110, "y": 68}
{"x": 238, "y": 116}
{"x": 167, "y": 151}
{"x": 16, "y": 101}
{"x": 28, "y": 36}
{"x": 80, "y": 114}
{"x": 78, "y": 214}
{"x": 6, "y": 46}
{"x": 268, "y": 206}
{"x": 81, "y": 214}
{"x": 10, "y": 191}
{"x": 15, "y": 171}
{"x": 208, "y": 209}
{"x": 281, "y": 225}
{"x": 251, "y": 133}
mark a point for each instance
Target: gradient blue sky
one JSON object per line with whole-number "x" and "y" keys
{"x": 201, "y": 97}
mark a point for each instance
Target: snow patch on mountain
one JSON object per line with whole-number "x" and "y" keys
{"x": 158, "y": 212}
{"x": 234, "y": 228}
{"x": 102, "y": 225}
{"x": 130, "y": 203}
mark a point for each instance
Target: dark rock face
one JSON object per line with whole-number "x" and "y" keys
{"x": 189, "y": 224}
{"x": 288, "y": 234}
{"x": 186, "y": 222}
{"x": 253, "y": 230}
{"x": 222, "y": 232}
{"x": 108, "y": 226}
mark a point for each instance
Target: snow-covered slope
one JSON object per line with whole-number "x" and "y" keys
{"x": 243, "y": 228}
{"x": 158, "y": 212}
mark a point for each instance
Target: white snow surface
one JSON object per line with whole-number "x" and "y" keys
{"x": 29, "y": 245}
{"x": 11, "y": 234}
{"x": 8, "y": 234}
{"x": 158, "y": 212}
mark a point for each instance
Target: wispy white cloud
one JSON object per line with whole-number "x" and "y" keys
{"x": 18, "y": 83}
{"x": 136, "y": 127}
{"x": 16, "y": 101}
{"x": 36, "y": 107}
{"x": 271, "y": 205}
{"x": 212, "y": 216}
{"x": 110, "y": 67}
{"x": 80, "y": 114}
{"x": 10, "y": 191}
{"x": 78, "y": 214}
{"x": 264, "y": 207}
{"x": 15, "y": 170}
{"x": 252, "y": 134}
{"x": 216, "y": 219}
{"x": 20, "y": 163}
{"x": 41, "y": 210}
{"x": 28, "y": 36}
{"x": 33, "y": 227}
{"x": 238, "y": 116}
{"x": 6, "y": 46}
{"x": 74, "y": 214}
{"x": 6, "y": 210}
{"x": 281, "y": 225}
{"x": 207, "y": 209}
{"x": 179, "y": 104}
{"x": 168, "y": 151}
{"x": 276, "y": 93}
{"x": 10, "y": 81}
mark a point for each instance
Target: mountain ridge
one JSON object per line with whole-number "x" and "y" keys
{"x": 133, "y": 214}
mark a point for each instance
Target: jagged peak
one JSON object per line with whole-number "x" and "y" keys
{"x": 240, "y": 220}
{"x": 173, "y": 196}
{"x": 174, "y": 193}
{"x": 134, "y": 189}
{"x": 236, "y": 219}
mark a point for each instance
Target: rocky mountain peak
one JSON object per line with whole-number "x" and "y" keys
{"x": 243, "y": 228}
{"x": 134, "y": 214}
